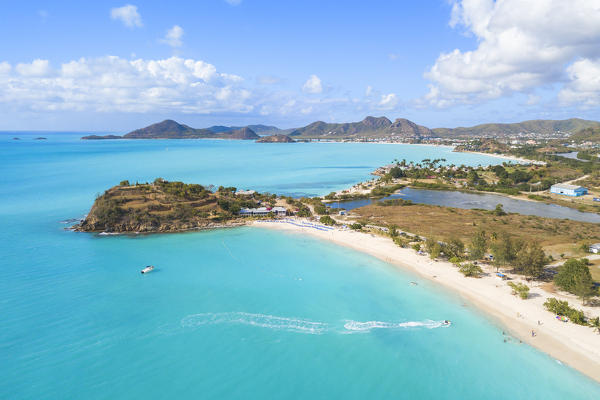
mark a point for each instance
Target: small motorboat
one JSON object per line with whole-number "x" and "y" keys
{"x": 148, "y": 268}
{"x": 446, "y": 323}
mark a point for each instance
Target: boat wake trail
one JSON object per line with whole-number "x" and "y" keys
{"x": 259, "y": 320}
{"x": 300, "y": 325}
{"x": 357, "y": 327}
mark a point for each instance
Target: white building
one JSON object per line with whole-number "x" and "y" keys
{"x": 263, "y": 211}
{"x": 245, "y": 192}
{"x": 568, "y": 190}
{"x": 595, "y": 248}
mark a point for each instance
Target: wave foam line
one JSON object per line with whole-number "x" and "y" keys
{"x": 357, "y": 326}
{"x": 259, "y": 320}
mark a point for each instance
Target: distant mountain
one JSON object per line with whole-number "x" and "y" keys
{"x": 591, "y": 134}
{"x": 241, "y": 134}
{"x": 169, "y": 129}
{"x": 540, "y": 126}
{"x": 256, "y": 128}
{"x": 368, "y": 127}
{"x": 97, "y": 137}
{"x": 276, "y": 139}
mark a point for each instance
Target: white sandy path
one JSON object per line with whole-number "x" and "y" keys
{"x": 575, "y": 345}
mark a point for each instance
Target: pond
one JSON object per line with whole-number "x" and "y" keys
{"x": 477, "y": 200}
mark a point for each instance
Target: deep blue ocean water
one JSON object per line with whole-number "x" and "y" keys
{"x": 237, "y": 313}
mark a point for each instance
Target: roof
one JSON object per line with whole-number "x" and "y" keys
{"x": 568, "y": 187}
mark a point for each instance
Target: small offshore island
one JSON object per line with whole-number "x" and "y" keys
{"x": 163, "y": 206}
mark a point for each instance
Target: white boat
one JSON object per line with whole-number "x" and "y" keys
{"x": 147, "y": 269}
{"x": 446, "y": 323}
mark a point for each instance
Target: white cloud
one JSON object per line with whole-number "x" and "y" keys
{"x": 173, "y": 36}
{"x": 369, "y": 91}
{"x": 521, "y": 45}
{"x": 388, "y": 101}
{"x": 313, "y": 85}
{"x": 114, "y": 84}
{"x": 584, "y": 86}
{"x": 233, "y": 2}
{"x": 393, "y": 56}
{"x": 35, "y": 68}
{"x": 128, "y": 15}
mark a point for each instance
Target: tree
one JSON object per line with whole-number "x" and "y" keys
{"x": 573, "y": 277}
{"x": 504, "y": 249}
{"x": 327, "y": 220}
{"x": 393, "y": 231}
{"x": 321, "y": 209}
{"x": 499, "y": 210}
{"x": 530, "y": 260}
{"x": 433, "y": 248}
{"x": 396, "y": 172}
{"x": 584, "y": 287}
{"x": 454, "y": 248}
{"x": 470, "y": 269}
{"x": 472, "y": 177}
{"x": 479, "y": 245}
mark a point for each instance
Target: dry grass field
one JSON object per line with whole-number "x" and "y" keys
{"x": 444, "y": 223}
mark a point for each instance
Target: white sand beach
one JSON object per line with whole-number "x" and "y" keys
{"x": 575, "y": 345}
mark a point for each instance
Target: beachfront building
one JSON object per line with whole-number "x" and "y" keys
{"x": 568, "y": 190}
{"x": 595, "y": 248}
{"x": 245, "y": 192}
{"x": 263, "y": 211}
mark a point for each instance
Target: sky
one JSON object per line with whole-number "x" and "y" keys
{"x": 111, "y": 66}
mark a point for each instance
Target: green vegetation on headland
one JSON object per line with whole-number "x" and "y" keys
{"x": 163, "y": 206}
{"x": 276, "y": 139}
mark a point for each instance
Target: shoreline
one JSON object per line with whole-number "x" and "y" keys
{"x": 506, "y": 156}
{"x": 574, "y": 345}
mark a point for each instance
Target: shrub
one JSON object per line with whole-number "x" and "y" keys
{"x": 520, "y": 288}
{"x": 357, "y": 226}
{"x": 321, "y": 209}
{"x": 470, "y": 270}
{"x": 561, "y": 307}
{"x": 327, "y": 220}
{"x": 416, "y": 247}
{"x": 456, "y": 261}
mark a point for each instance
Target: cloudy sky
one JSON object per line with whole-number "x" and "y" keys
{"x": 111, "y": 66}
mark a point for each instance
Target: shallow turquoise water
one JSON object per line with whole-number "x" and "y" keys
{"x": 239, "y": 313}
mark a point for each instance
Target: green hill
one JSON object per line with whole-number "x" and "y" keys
{"x": 368, "y": 127}
{"x": 591, "y": 134}
{"x": 539, "y": 126}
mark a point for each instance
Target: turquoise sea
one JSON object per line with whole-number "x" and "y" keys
{"x": 230, "y": 314}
